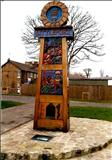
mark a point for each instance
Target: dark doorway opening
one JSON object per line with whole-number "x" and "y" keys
{"x": 50, "y": 111}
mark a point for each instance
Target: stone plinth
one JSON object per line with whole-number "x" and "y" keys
{"x": 85, "y": 136}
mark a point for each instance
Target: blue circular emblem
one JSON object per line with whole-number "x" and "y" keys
{"x": 54, "y": 14}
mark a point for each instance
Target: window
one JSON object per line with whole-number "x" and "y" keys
{"x": 18, "y": 84}
{"x": 18, "y": 90}
{"x": 109, "y": 82}
{"x": 19, "y": 74}
{"x": 35, "y": 76}
{"x": 31, "y": 75}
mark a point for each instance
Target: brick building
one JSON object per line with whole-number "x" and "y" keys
{"x": 14, "y": 74}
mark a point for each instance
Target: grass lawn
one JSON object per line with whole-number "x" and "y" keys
{"x": 91, "y": 112}
{"x": 7, "y": 104}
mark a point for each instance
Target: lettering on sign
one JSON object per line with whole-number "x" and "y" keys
{"x": 54, "y": 33}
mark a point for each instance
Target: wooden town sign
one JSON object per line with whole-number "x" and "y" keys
{"x": 51, "y": 102}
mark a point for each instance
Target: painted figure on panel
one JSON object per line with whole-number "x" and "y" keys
{"x": 51, "y": 82}
{"x": 52, "y": 51}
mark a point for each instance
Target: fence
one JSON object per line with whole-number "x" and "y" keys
{"x": 78, "y": 92}
{"x": 28, "y": 89}
{"x": 91, "y": 92}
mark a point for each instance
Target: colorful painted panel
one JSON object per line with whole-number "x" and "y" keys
{"x": 51, "y": 82}
{"x": 52, "y": 51}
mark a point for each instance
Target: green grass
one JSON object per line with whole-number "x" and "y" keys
{"x": 92, "y": 112}
{"x": 7, "y": 104}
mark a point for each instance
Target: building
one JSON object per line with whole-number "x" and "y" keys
{"x": 91, "y": 81}
{"x": 14, "y": 74}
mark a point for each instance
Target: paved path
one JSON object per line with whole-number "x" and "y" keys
{"x": 30, "y": 99}
{"x": 92, "y": 104}
{"x": 24, "y": 99}
{"x": 15, "y": 116}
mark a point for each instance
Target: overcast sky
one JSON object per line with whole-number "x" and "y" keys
{"x": 13, "y": 14}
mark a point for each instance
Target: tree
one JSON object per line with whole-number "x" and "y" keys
{"x": 87, "y": 72}
{"x": 87, "y": 36}
{"x": 101, "y": 73}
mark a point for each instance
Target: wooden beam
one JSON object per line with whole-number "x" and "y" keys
{"x": 65, "y": 85}
{"x": 38, "y": 83}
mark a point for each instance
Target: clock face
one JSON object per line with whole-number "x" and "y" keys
{"x": 54, "y": 14}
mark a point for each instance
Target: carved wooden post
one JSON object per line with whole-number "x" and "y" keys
{"x": 51, "y": 102}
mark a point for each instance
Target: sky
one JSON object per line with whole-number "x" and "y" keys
{"x": 13, "y": 15}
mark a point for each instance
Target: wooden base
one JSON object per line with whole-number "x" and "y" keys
{"x": 48, "y": 124}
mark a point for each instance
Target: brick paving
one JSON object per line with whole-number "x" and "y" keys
{"x": 85, "y": 136}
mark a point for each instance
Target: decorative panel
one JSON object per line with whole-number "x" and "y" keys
{"x": 51, "y": 82}
{"x": 52, "y": 51}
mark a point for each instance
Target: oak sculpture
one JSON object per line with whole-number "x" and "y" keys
{"x": 51, "y": 102}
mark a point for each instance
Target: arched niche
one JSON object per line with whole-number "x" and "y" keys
{"x": 50, "y": 111}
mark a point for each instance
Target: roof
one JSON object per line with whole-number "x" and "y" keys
{"x": 80, "y": 76}
{"x": 92, "y": 79}
{"x": 21, "y": 66}
{"x": 77, "y": 76}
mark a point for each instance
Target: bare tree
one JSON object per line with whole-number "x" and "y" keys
{"x": 87, "y": 72}
{"x": 101, "y": 73}
{"x": 86, "y": 37}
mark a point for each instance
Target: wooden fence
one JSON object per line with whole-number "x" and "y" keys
{"x": 28, "y": 89}
{"x": 78, "y": 92}
{"x": 91, "y": 92}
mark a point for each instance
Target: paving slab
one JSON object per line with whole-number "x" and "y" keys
{"x": 85, "y": 136}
